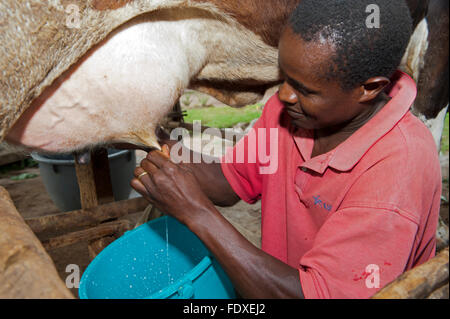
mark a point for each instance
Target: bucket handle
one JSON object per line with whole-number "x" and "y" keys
{"x": 185, "y": 291}
{"x": 55, "y": 168}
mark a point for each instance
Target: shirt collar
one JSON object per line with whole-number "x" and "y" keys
{"x": 402, "y": 91}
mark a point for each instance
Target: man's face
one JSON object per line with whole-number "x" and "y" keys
{"x": 311, "y": 101}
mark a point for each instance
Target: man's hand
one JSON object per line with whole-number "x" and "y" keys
{"x": 209, "y": 176}
{"x": 170, "y": 187}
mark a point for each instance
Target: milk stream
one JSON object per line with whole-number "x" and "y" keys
{"x": 167, "y": 252}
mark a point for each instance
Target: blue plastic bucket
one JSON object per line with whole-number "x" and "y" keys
{"x": 142, "y": 264}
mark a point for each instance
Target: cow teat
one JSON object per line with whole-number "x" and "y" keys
{"x": 144, "y": 140}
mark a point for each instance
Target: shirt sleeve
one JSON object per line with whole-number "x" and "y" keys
{"x": 370, "y": 250}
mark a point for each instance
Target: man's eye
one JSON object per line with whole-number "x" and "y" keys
{"x": 303, "y": 92}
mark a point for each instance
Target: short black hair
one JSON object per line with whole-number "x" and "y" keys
{"x": 361, "y": 52}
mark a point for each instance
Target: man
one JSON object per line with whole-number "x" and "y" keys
{"x": 354, "y": 200}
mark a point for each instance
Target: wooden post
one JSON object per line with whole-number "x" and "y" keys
{"x": 86, "y": 181}
{"x": 26, "y": 270}
{"x": 95, "y": 185}
{"x": 428, "y": 280}
{"x": 441, "y": 293}
{"x": 102, "y": 178}
{"x": 93, "y": 178}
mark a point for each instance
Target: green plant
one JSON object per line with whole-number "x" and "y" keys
{"x": 17, "y": 166}
{"x": 23, "y": 176}
{"x": 223, "y": 117}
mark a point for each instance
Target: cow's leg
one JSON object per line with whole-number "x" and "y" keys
{"x": 432, "y": 100}
{"x": 436, "y": 125}
{"x": 418, "y": 9}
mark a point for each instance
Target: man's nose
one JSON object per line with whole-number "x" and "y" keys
{"x": 287, "y": 94}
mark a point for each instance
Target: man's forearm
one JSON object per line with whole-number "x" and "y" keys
{"x": 213, "y": 183}
{"x": 254, "y": 273}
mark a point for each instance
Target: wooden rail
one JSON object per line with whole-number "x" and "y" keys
{"x": 26, "y": 270}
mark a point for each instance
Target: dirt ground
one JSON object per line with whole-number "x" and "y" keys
{"x": 32, "y": 200}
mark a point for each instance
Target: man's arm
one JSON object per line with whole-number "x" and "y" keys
{"x": 254, "y": 273}
{"x": 176, "y": 191}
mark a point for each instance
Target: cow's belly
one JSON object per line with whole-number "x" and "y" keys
{"x": 118, "y": 93}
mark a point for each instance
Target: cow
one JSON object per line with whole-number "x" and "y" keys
{"x": 76, "y": 74}
{"x": 431, "y": 73}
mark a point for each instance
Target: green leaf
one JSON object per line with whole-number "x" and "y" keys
{"x": 222, "y": 117}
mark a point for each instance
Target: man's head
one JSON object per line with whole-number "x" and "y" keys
{"x": 334, "y": 64}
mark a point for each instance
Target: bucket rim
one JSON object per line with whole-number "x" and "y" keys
{"x": 42, "y": 158}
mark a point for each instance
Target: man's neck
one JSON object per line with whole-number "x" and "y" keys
{"x": 328, "y": 139}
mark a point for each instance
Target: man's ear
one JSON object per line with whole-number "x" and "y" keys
{"x": 372, "y": 88}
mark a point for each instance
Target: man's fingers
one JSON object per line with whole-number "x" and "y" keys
{"x": 137, "y": 183}
{"x": 149, "y": 167}
{"x": 158, "y": 158}
{"x": 166, "y": 150}
{"x": 141, "y": 174}
{"x": 140, "y": 188}
{"x": 142, "y": 182}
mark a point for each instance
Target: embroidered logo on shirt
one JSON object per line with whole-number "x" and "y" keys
{"x": 322, "y": 204}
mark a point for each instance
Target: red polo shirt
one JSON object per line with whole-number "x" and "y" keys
{"x": 350, "y": 220}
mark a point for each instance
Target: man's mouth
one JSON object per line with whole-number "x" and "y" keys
{"x": 294, "y": 113}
